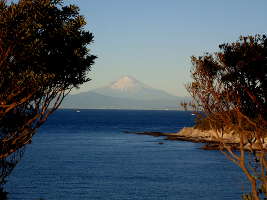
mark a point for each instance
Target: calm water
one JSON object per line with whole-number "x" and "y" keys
{"x": 86, "y": 155}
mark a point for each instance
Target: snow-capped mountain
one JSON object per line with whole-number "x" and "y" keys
{"x": 127, "y": 83}
{"x": 125, "y": 93}
{"x": 129, "y": 87}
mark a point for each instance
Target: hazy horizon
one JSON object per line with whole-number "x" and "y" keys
{"x": 109, "y": 84}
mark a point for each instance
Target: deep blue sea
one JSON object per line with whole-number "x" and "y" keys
{"x": 86, "y": 155}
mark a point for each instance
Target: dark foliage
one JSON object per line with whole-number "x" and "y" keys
{"x": 43, "y": 55}
{"x": 230, "y": 88}
{"x": 234, "y": 79}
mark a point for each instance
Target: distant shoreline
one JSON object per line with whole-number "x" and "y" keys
{"x": 208, "y": 138}
{"x": 183, "y": 135}
{"x": 121, "y": 109}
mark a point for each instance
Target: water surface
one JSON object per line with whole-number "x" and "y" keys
{"x": 86, "y": 155}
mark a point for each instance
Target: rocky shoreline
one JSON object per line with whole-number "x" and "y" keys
{"x": 210, "y": 139}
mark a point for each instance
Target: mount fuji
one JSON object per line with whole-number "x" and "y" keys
{"x": 129, "y": 87}
{"x": 125, "y": 93}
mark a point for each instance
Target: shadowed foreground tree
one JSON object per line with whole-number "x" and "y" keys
{"x": 43, "y": 55}
{"x": 229, "y": 88}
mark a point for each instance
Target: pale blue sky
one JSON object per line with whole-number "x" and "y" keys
{"x": 153, "y": 40}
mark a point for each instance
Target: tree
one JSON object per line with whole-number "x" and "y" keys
{"x": 43, "y": 55}
{"x": 230, "y": 88}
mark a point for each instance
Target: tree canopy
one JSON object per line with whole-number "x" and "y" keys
{"x": 230, "y": 88}
{"x": 43, "y": 55}
{"x": 233, "y": 81}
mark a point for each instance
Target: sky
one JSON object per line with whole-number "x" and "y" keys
{"x": 153, "y": 40}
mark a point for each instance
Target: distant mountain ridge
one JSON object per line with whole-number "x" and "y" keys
{"x": 129, "y": 87}
{"x": 125, "y": 93}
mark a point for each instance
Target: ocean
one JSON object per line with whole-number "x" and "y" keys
{"x": 86, "y": 155}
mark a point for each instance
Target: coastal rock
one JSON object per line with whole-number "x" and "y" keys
{"x": 209, "y": 135}
{"x": 211, "y": 146}
{"x": 211, "y": 138}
